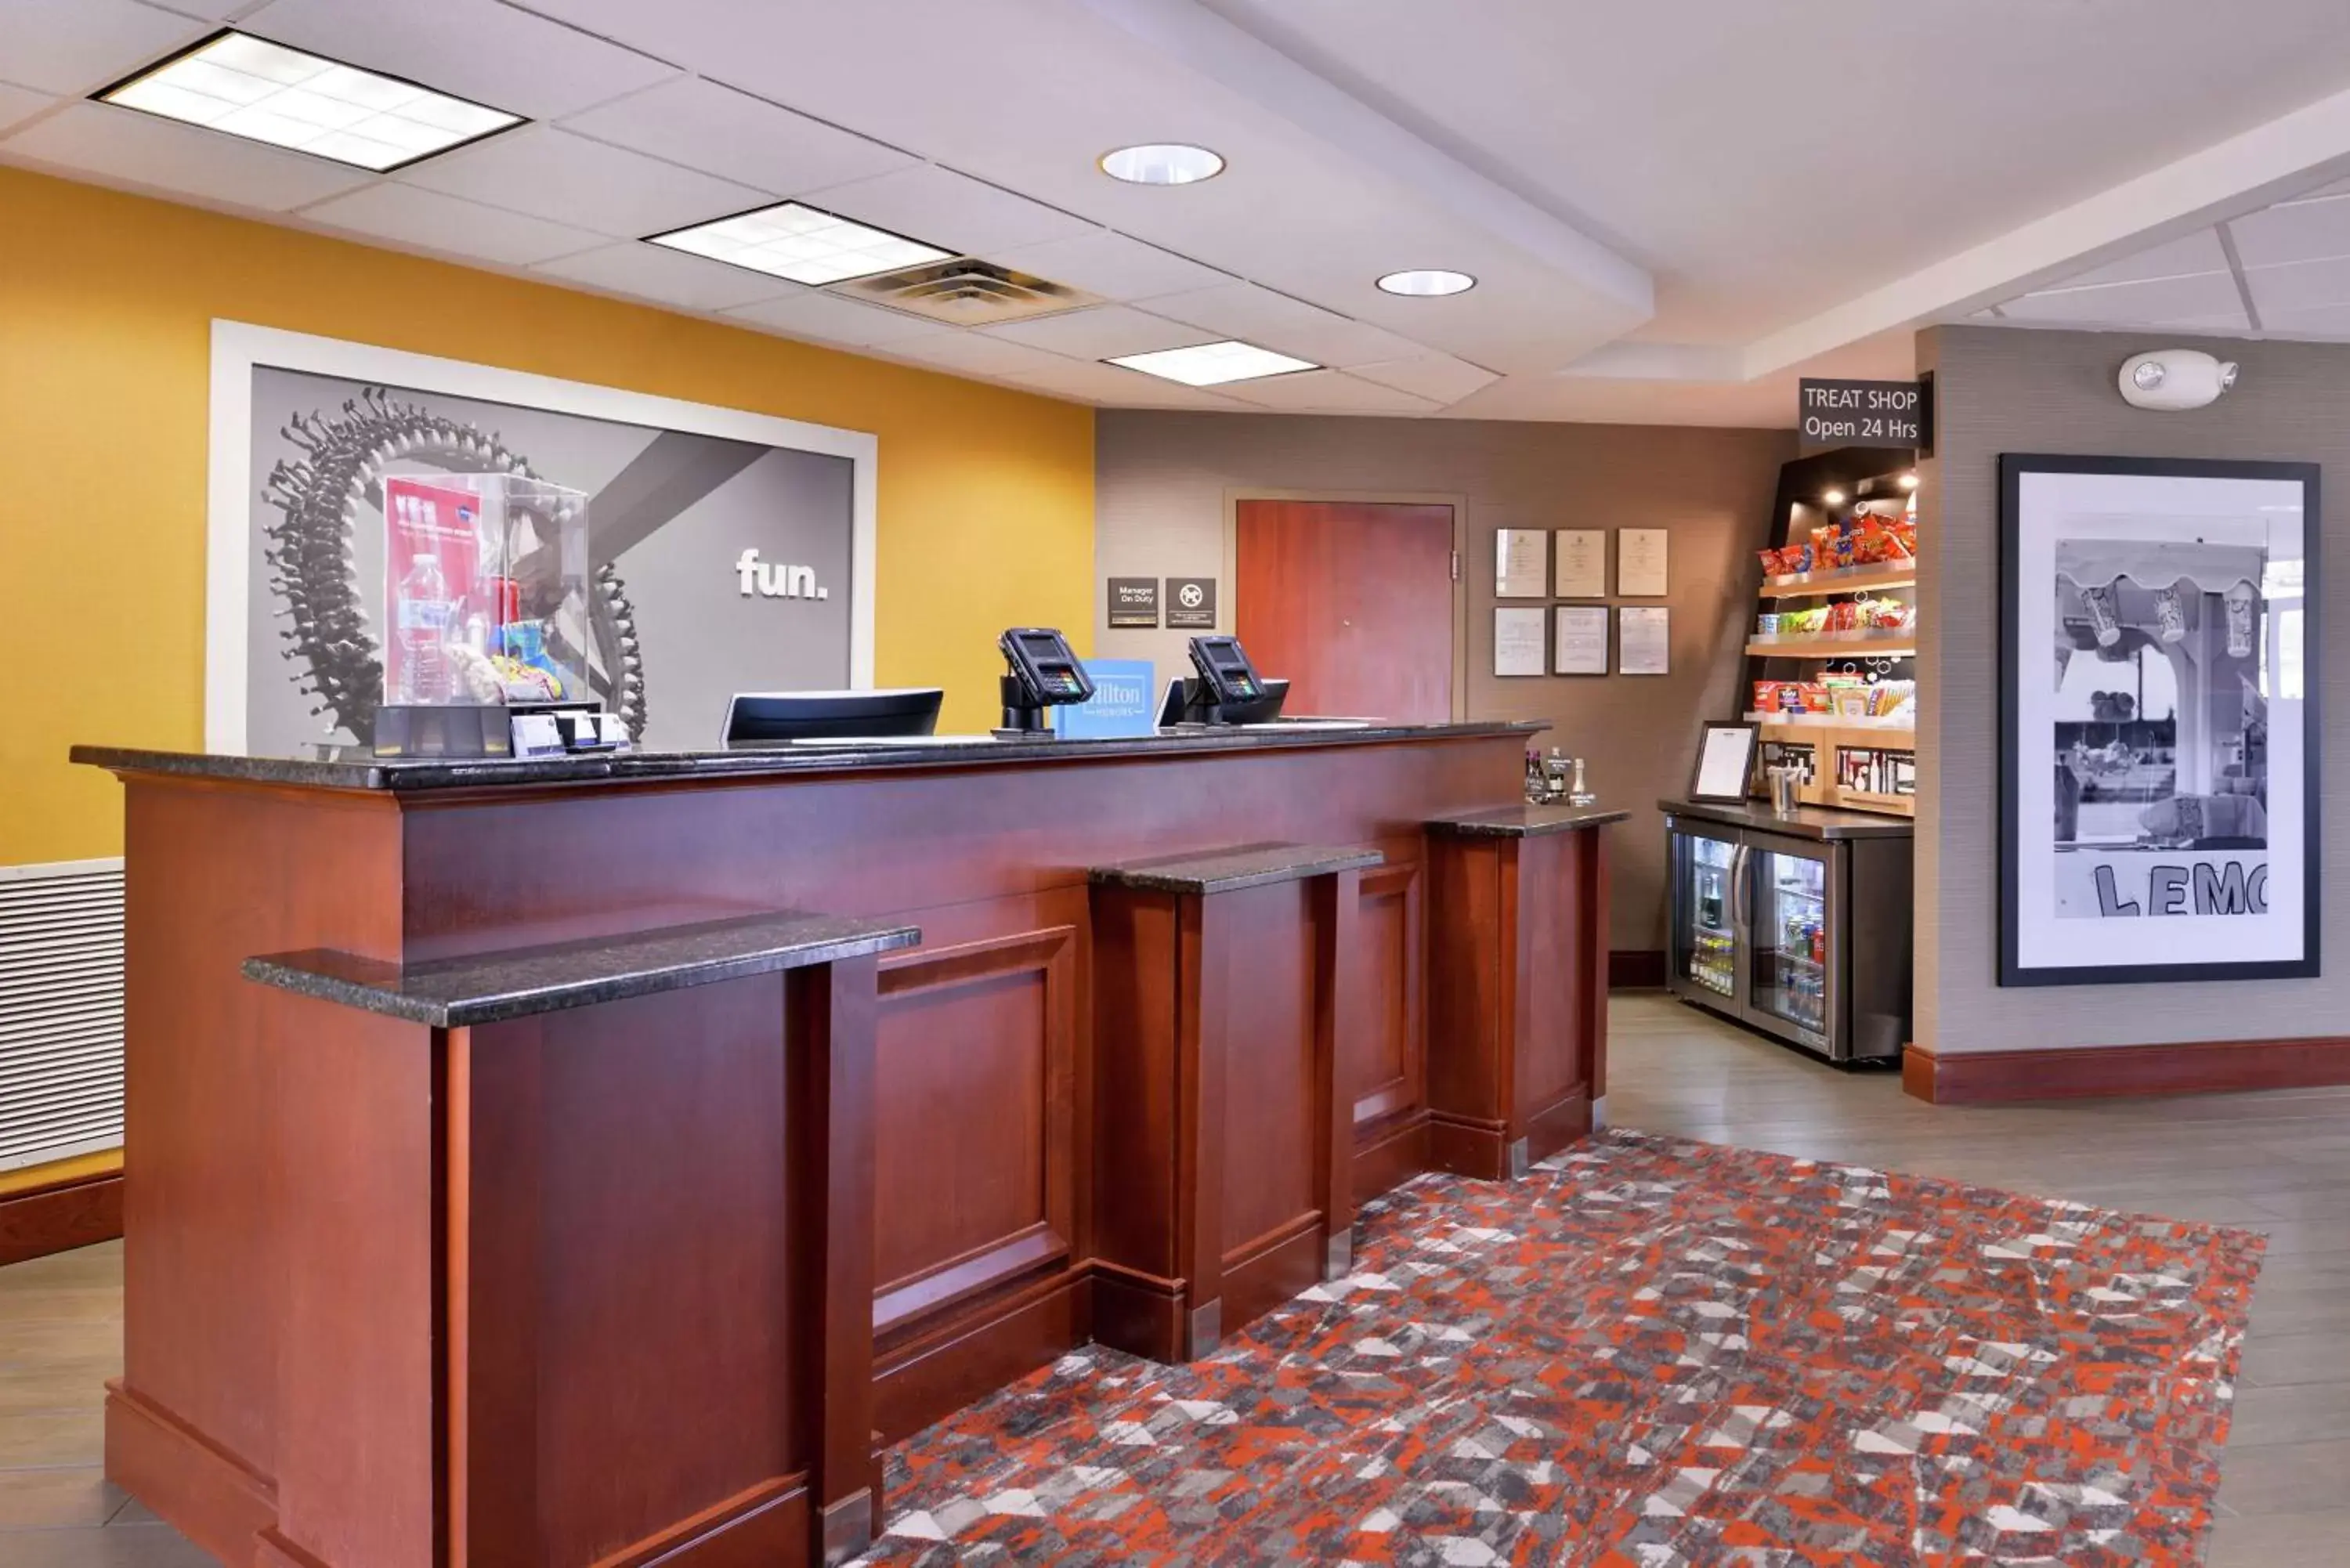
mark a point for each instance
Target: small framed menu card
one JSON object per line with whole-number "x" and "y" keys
{"x": 1520, "y": 570}
{"x": 1582, "y": 641}
{"x": 1579, "y": 563}
{"x": 1640, "y": 563}
{"x": 1519, "y": 640}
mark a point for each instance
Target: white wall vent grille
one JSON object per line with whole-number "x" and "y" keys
{"x": 61, "y": 1010}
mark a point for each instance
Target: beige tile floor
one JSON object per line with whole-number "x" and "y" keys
{"x": 2278, "y": 1162}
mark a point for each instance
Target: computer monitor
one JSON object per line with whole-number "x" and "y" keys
{"x": 781, "y": 718}
{"x": 1186, "y": 703}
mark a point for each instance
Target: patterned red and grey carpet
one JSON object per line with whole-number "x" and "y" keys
{"x": 1649, "y": 1353}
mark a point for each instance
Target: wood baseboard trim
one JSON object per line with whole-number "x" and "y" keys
{"x": 56, "y": 1218}
{"x": 1636, "y": 969}
{"x": 920, "y": 1382}
{"x": 2096, "y": 1072}
{"x": 212, "y": 1497}
{"x": 1388, "y": 1153}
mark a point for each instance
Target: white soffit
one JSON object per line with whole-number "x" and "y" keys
{"x": 667, "y": 277}
{"x": 553, "y": 174}
{"x": 413, "y": 217}
{"x": 2203, "y": 297}
{"x": 703, "y": 125}
{"x": 2293, "y": 232}
{"x": 125, "y": 146}
{"x": 76, "y": 46}
{"x": 480, "y": 49}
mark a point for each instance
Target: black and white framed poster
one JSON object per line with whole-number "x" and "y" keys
{"x": 2159, "y": 788}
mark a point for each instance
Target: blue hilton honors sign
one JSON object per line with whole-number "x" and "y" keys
{"x": 1123, "y": 703}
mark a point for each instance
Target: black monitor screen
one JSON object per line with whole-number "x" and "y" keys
{"x": 781, "y": 718}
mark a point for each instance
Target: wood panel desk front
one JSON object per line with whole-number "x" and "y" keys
{"x": 986, "y": 1202}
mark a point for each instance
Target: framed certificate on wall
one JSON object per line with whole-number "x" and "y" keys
{"x": 1645, "y": 633}
{"x": 1640, "y": 562}
{"x": 1519, "y": 571}
{"x": 1581, "y": 647}
{"x": 1579, "y": 563}
{"x": 1519, "y": 640}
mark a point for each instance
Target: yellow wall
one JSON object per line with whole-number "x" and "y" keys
{"x": 106, "y": 300}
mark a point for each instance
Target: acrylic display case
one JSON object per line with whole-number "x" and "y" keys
{"x": 486, "y": 608}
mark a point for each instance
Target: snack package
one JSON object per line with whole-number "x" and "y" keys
{"x": 1773, "y": 565}
{"x": 1766, "y": 697}
{"x": 1816, "y": 698}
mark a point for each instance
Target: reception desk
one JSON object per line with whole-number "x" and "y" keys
{"x": 599, "y": 1160}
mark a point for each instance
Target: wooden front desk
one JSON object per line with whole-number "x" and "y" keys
{"x": 248, "y": 1357}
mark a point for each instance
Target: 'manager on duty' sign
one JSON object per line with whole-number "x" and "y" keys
{"x": 1864, "y": 413}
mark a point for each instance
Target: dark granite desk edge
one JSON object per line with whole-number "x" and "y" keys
{"x": 1169, "y": 876}
{"x": 1516, "y": 822}
{"x": 1810, "y": 822}
{"x": 402, "y": 777}
{"x": 286, "y": 971}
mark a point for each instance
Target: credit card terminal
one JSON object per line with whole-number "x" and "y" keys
{"x": 1226, "y": 671}
{"x": 1042, "y": 672}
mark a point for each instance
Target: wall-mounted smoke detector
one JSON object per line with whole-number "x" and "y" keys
{"x": 2171, "y": 379}
{"x": 965, "y": 292}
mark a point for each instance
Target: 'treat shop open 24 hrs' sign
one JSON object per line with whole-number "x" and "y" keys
{"x": 1866, "y": 413}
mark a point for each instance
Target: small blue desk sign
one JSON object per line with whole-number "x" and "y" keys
{"x": 1124, "y": 702}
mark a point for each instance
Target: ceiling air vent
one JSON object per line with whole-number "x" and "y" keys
{"x": 967, "y": 293}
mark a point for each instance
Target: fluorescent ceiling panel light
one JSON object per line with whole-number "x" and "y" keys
{"x": 801, "y": 244}
{"x": 243, "y": 86}
{"x": 1213, "y": 364}
{"x": 1162, "y": 163}
{"x": 1427, "y": 282}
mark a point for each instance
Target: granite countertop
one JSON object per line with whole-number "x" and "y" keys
{"x": 1808, "y": 821}
{"x": 1527, "y": 821}
{"x": 1253, "y": 866}
{"x": 402, "y": 776}
{"x": 490, "y": 988}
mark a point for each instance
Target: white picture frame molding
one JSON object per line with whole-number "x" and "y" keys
{"x": 240, "y": 348}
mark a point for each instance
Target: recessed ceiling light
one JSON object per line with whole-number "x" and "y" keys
{"x": 1212, "y": 364}
{"x": 244, "y": 85}
{"x": 1909, "y": 482}
{"x": 1833, "y": 497}
{"x": 1161, "y": 163}
{"x": 800, "y": 243}
{"x": 1428, "y": 283}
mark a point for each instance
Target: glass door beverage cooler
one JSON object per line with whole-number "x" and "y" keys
{"x": 1796, "y": 926}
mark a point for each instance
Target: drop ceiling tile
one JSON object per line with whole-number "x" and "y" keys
{"x": 1116, "y": 387}
{"x": 811, "y": 313}
{"x": 940, "y": 207}
{"x": 78, "y": 46}
{"x": 1275, "y": 320}
{"x": 19, "y": 104}
{"x": 1112, "y": 265}
{"x": 730, "y": 134}
{"x": 1437, "y": 375}
{"x": 567, "y": 179}
{"x": 182, "y": 160}
{"x": 1326, "y": 392}
{"x": 480, "y": 49}
{"x": 2184, "y": 257}
{"x": 2152, "y": 303}
{"x": 2301, "y": 286}
{"x": 976, "y": 354}
{"x": 1102, "y": 332}
{"x": 2296, "y": 232}
{"x": 427, "y": 220}
{"x": 667, "y": 276}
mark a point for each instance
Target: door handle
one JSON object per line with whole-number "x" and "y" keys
{"x": 1737, "y": 898}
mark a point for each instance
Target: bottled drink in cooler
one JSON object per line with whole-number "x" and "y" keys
{"x": 423, "y": 608}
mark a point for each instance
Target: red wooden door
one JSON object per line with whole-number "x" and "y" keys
{"x": 1352, "y": 601}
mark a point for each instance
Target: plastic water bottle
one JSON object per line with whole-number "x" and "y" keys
{"x": 425, "y": 610}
